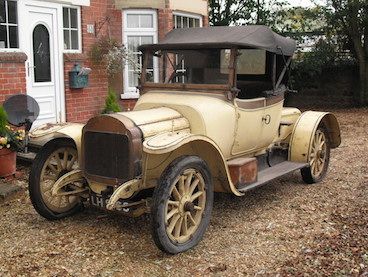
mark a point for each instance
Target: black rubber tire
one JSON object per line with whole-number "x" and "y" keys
{"x": 35, "y": 191}
{"x": 161, "y": 196}
{"x": 307, "y": 173}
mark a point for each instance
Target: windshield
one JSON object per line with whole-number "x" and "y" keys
{"x": 191, "y": 66}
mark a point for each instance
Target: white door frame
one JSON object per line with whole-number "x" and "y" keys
{"x": 25, "y": 43}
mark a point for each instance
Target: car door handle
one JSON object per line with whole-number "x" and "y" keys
{"x": 266, "y": 119}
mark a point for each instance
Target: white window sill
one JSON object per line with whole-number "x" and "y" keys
{"x": 10, "y": 50}
{"x": 129, "y": 95}
{"x": 74, "y": 51}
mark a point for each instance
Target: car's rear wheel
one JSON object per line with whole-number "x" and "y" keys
{"x": 53, "y": 161}
{"x": 182, "y": 205}
{"x": 319, "y": 156}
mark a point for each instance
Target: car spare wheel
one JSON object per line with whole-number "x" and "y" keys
{"x": 182, "y": 205}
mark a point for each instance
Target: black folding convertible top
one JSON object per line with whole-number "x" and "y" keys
{"x": 255, "y": 36}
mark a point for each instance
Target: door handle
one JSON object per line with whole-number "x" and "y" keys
{"x": 29, "y": 67}
{"x": 266, "y": 119}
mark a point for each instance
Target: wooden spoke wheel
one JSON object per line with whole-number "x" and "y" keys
{"x": 186, "y": 204}
{"x": 182, "y": 204}
{"x": 319, "y": 157}
{"x": 53, "y": 161}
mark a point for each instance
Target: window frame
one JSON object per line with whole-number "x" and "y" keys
{"x": 188, "y": 15}
{"x": 79, "y": 29}
{"x": 169, "y": 64}
{"x": 133, "y": 92}
{"x": 7, "y": 24}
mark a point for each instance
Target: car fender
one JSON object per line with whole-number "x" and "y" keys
{"x": 304, "y": 130}
{"x": 51, "y": 131}
{"x": 173, "y": 144}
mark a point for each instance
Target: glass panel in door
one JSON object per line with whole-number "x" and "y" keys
{"x": 41, "y": 54}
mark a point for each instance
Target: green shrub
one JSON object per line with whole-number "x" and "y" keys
{"x": 111, "y": 103}
{"x": 3, "y": 120}
{"x": 323, "y": 59}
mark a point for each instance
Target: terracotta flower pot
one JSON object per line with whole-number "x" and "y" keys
{"x": 7, "y": 162}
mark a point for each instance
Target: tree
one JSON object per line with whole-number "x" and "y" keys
{"x": 349, "y": 19}
{"x": 229, "y": 12}
{"x": 246, "y": 12}
{"x": 300, "y": 21}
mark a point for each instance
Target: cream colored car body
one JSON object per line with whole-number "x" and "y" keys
{"x": 51, "y": 131}
{"x": 209, "y": 126}
{"x": 304, "y": 129}
{"x": 175, "y": 124}
{"x": 213, "y": 132}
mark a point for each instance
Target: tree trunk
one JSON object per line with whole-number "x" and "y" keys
{"x": 362, "y": 97}
{"x": 363, "y": 80}
{"x": 362, "y": 58}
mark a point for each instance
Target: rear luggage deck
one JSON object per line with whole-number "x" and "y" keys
{"x": 272, "y": 173}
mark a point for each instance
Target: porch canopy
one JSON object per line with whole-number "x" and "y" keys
{"x": 254, "y": 36}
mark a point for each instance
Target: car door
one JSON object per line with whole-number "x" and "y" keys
{"x": 257, "y": 123}
{"x": 248, "y": 127}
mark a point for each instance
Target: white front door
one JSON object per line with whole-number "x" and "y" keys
{"x": 44, "y": 62}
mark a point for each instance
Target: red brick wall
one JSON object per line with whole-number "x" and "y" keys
{"x": 82, "y": 104}
{"x": 12, "y": 74}
{"x": 127, "y": 104}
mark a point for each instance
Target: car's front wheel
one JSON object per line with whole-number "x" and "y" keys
{"x": 54, "y": 160}
{"x": 182, "y": 205}
{"x": 319, "y": 156}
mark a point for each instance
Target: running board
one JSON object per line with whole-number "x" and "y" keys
{"x": 33, "y": 149}
{"x": 29, "y": 157}
{"x": 272, "y": 173}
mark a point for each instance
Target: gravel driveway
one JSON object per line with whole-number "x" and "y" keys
{"x": 286, "y": 228}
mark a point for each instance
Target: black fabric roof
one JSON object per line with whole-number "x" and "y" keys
{"x": 254, "y": 36}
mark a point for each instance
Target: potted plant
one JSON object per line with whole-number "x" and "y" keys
{"x": 10, "y": 141}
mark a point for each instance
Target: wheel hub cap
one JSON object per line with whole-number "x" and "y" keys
{"x": 188, "y": 207}
{"x": 321, "y": 154}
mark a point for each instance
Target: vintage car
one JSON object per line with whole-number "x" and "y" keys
{"x": 210, "y": 118}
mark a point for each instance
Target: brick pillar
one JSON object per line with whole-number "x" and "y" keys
{"x": 205, "y": 18}
{"x": 12, "y": 74}
{"x": 165, "y": 22}
{"x": 205, "y": 21}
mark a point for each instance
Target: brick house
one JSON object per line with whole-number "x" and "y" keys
{"x": 40, "y": 41}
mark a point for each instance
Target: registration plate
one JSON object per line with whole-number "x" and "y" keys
{"x": 101, "y": 201}
{"x": 98, "y": 200}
